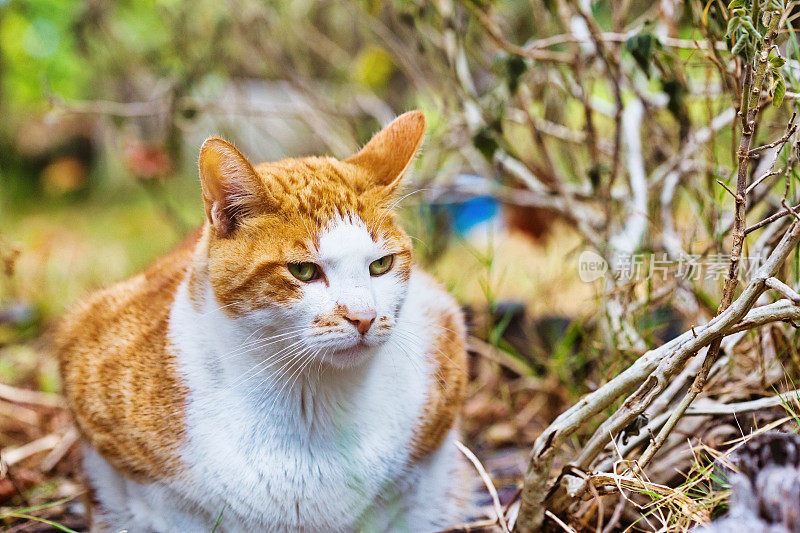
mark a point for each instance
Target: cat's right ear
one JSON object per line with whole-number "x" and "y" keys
{"x": 230, "y": 184}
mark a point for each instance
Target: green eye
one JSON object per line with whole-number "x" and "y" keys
{"x": 381, "y": 266}
{"x": 304, "y": 271}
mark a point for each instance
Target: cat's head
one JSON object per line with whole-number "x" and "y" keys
{"x": 310, "y": 246}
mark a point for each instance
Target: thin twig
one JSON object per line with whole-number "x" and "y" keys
{"x": 651, "y": 373}
{"x": 498, "y": 509}
{"x": 758, "y": 181}
{"x": 734, "y": 194}
{"x": 780, "y": 142}
{"x": 613, "y": 37}
{"x": 13, "y": 456}
{"x": 711, "y": 408}
{"x": 770, "y": 219}
{"x": 560, "y": 522}
{"x": 14, "y": 394}
{"x": 60, "y": 450}
{"x": 598, "y": 500}
{"x": 613, "y": 75}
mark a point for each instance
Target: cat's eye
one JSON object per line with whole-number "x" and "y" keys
{"x": 304, "y": 271}
{"x": 381, "y": 266}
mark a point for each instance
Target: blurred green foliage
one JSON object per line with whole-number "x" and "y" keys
{"x": 39, "y": 53}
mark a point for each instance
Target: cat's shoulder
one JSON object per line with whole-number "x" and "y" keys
{"x": 118, "y": 369}
{"x": 426, "y": 290}
{"x": 447, "y": 357}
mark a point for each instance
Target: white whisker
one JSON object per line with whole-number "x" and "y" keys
{"x": 389, "y": 209}
{"x": 268, "y": 362}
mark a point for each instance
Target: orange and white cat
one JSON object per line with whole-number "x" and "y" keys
{"x": 288, "y": 368}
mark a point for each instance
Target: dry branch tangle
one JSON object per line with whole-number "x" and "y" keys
{"x": 651, "y": 373}
{"x": 602, "y": 211}
{"x": 738, "y": 233}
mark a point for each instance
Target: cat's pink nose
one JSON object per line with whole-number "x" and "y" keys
{"x": 362, "y": 320}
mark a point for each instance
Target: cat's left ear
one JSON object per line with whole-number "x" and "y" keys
{"x": 390, "y": 152}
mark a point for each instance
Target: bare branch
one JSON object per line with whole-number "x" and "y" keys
{"x": 613, "y": 37}
{"x": 785, "y": 290}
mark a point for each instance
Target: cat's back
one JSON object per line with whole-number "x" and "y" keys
{"x": 118, "y": 368}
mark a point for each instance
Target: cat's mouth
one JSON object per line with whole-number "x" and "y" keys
{"x": 342, "y": 340}
{"x": 362, "y": 341}
{"x": 348, "y": 350}
{"x": 344, "y": 356}
{"x": 355, "y": 343}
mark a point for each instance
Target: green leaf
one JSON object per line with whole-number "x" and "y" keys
{"x": 736, "y": 3}
{"x": 641, "y": 48}
{"x": 50, "y": 523}
{"x": 28, "y": 510}
{"x": 747, "y": 23}
{"x": 779, "y": 92}
{"x": 774, "y": 5}
{"x": 733, "y": 23}
{"x": 219, "y": 520}
{"x": 743, "y": 40}
{"x": 777, "y": 61}
{"x": 515, "y": 67}
{"x": 485, "y": 142}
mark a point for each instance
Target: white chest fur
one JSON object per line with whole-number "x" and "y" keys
{"x": 277, "y": 446}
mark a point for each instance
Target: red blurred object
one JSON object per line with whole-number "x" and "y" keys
{"x": 535, "y": 222}
{"x": 147, "y": 161}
